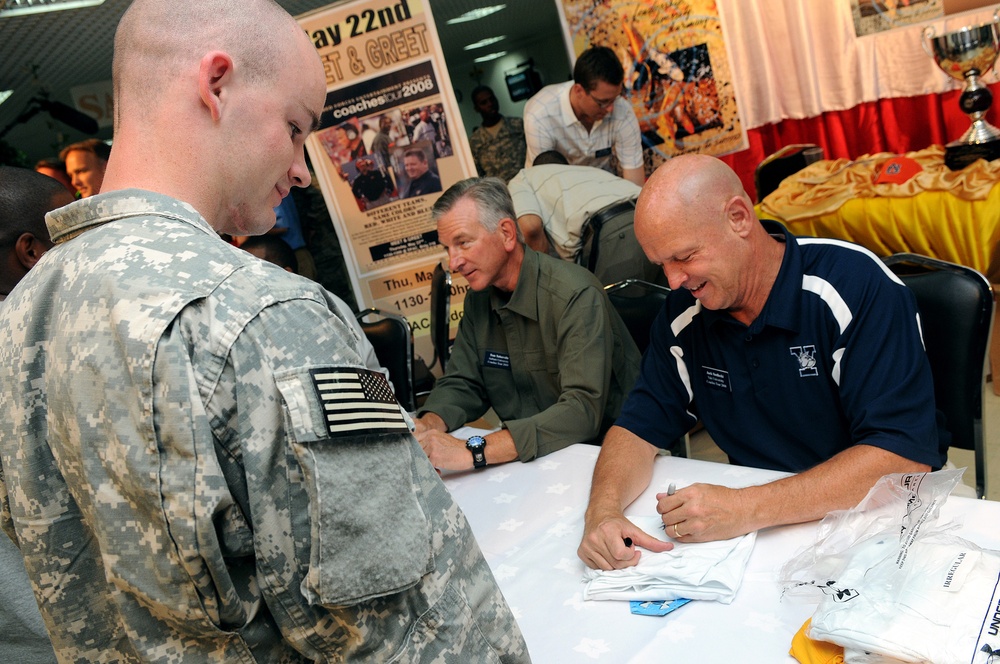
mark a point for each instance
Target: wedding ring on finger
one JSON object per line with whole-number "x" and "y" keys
{"x": 677, "y": 535}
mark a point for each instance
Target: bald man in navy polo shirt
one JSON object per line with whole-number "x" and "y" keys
{"x": 797, "y": 354}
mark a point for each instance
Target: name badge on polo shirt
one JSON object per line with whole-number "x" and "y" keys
{"x": 496, "y": 359}
{"x": 717, "y": 379}
{"x": 606, "y": 152}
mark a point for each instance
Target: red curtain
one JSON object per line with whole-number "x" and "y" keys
{"x": 898, "y": 125}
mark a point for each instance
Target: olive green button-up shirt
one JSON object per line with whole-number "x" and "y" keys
{"x": 553, "y": 359}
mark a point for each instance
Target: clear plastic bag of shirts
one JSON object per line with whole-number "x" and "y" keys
{"x": 893, "y": 582}
{"x": 901, "y": 505}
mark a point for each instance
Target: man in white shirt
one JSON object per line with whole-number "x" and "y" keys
{"x": 581, "y": 214}
{"x": 586, "y": 119}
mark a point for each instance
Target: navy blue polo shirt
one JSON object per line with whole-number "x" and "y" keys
{"x": 835, "y": 358}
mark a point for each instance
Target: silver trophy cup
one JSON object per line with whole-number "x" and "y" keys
{"x": 968, "y": 54}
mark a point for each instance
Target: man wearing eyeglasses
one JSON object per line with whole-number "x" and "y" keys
{"x": 586, "y": 119}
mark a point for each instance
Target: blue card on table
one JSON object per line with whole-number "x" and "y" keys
{"x": 641, "y": 608}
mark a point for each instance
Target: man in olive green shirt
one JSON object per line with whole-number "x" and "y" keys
{"x": 539, "y": 342}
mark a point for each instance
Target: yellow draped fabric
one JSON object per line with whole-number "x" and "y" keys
{"x": 951, "y": 215}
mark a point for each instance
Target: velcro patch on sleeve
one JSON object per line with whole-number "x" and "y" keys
{"x": 357, "y": 401}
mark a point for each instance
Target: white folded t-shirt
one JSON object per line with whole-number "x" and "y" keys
{"x": 705, "y": 570}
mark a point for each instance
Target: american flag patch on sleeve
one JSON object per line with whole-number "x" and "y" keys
{"x": 357, "y": 401}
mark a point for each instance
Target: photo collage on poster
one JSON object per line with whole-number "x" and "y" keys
{"x": 385, "y": 139}
{"x": 873, "y": 16}
{"x": 390, "y": 155}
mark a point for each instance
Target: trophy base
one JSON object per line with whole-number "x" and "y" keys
{"x": 959, "y": 155}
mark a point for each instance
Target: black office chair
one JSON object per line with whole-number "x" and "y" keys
{"x": 440, "y": 313}
{"x": 391, "y": 337}
{"x": 638, "y": 302}
{"x": 609, "y": 248}
{"x": 956, "y": 314}
{"x": 778, "y": 166}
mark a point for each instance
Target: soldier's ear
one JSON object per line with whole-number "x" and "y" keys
{"x": 214, "y": 75}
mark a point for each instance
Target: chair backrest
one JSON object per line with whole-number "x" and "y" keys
{"x": 778, "y": 166}
{"x": 637, "y": 302}
{"x": 956, "y": 315}
{"x": 440, "y": 313}
{"x": 611, "y": 251}
{"x": 392, "y": 339}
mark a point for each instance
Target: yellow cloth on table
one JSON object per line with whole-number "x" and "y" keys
{"x": 950, "y": 215}
{"x": 822, "y": 187}
{"x": 810, "y": 651}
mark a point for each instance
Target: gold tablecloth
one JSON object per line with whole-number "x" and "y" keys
{"x": 951, "y": 215}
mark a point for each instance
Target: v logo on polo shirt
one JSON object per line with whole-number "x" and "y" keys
{"x": 806, "y": 356}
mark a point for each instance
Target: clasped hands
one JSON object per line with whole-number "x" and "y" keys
{"x": 445, "y": 452}
{"x": 697, "y": 513}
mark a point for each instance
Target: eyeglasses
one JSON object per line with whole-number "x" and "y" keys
{"x": 602, "y": 103}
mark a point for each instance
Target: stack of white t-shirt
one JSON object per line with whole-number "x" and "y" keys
{"x": 708, "y": 570}
{"x": 894, "y": 585}
{"x": 937, "y": 605}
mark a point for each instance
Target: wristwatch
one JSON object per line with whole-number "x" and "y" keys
{"x": 477, "y": 445}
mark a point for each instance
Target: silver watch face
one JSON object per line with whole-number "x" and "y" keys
{"x": 476, "y": 441}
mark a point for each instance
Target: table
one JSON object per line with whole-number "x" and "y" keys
{"x": 951, "y": 215}
{"x": 528, "y": 519}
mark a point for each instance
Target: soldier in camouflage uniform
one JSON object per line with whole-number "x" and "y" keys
{"x": 498, "y": 145}
{"x": 195, "y": 464}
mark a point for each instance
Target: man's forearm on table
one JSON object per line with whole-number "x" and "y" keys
{"x": 839, "y": 483}
{"x": 624, "y": 470}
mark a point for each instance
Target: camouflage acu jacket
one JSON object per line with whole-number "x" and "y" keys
{"x": 503, "y": 156}
{"x": 197, "y": 468}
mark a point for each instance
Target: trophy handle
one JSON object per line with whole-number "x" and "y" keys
{"x": 928, "y": 33}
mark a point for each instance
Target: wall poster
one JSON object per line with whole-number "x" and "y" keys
{"x": 677, "y": 72}
{"x": 872, "y": 16}
{"x": 390, "y": 141}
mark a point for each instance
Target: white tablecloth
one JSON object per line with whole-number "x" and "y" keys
{"x": 528, "y": 518}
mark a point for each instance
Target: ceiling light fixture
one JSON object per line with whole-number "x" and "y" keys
{"x": 475, "y": 14}
{"x": 22, "y": 7}
{"x": 483, "y": 42}
{"x": 491, "y": 56}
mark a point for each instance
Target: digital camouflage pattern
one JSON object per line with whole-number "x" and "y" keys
{"x": 503, "y": 156}
{"x": 173, "y": 486}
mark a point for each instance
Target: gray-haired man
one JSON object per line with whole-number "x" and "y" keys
{"x": 539, "y": 341}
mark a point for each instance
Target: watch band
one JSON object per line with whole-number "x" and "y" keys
{"x": 477, "y": 446}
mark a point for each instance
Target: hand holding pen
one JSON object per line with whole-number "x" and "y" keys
{"x": 670, "y": 491}
{"x": 672, "y": 529}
